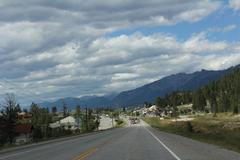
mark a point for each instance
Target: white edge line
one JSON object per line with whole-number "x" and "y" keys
{"x": 169, "y": 150}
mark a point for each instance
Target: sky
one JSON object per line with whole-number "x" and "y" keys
{"x": 54, "y": 49}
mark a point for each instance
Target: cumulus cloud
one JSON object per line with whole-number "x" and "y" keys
{"x": 200, "y": 44}
{"x": 107, "y": 14}
{"x": 234, "y": 4}
{"x": 116, "y": 64}
{"x": 225, "y": 29}
{"x": 53, "y": 49}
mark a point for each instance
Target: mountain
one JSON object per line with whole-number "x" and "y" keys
{"x": 87, "y": 101}
{"x": 148, "y": 92}
{"x": 177, "y": 82}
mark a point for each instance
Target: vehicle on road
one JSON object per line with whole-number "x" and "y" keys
{"x": 134, "y": 120}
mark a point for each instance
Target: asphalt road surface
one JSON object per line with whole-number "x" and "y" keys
{"x": 136, "y": 142}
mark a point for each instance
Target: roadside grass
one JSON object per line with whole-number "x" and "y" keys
{"x": 222, "y": 130}
{"x": 120, "y": 123}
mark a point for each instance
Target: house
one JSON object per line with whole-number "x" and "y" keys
{"x": 24, "y": 117}
{"x": 24, "y": 133}
{"x": 152, "y": 108}
{"x": 67, "y": 123}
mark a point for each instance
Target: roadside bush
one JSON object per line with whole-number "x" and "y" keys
{"x": 189, "y": 127}
{"x": 3, "y": 139}
{"x": 37, "y": 134}
{"x": 119, "y": 122}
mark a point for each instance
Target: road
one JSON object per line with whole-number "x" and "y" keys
{"x": 136, "y": 142}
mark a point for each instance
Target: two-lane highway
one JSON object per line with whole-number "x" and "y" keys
{"x": 137, "y": 142}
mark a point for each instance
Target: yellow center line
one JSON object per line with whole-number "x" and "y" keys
{"x": 90, "y": 151}
{"x": 85, "y": 154}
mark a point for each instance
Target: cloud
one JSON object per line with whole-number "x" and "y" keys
{"x": 53, "y": 49}
{"x": 225, "y": 29}
{"x": 198, "y": 13}
{"x": 234, "y": 4}
{"x": 114, "y": 64}
{"x": 107, "y": 14}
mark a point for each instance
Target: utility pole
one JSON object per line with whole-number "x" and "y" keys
{"x": 112, "y": 121}
{"x": 86, "y": 119}
{"x": 98, "y": 119}
{"x": 78, "y": 112}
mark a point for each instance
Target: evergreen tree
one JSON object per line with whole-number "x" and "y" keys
{"x": 160, "y": 102}
{"x": 199, "y": 101}
{"x": 9, "y": 118}
{"x": 40, "y": 121}
{"x": 54, "y": 110}
{"x": 65, "y": 109}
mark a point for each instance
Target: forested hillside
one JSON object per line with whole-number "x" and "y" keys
{"x": 167, "y": 85}
{"x": 222, "y": 95}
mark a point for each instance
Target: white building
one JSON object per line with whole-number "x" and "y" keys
{"x": 68, "y": 123}
{"x": 106, "y": 122}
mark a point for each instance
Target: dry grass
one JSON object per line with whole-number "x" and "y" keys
{"x": 223, "y": 130}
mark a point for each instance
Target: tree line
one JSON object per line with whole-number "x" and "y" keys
{"x": 222, "y": 95}
{"x": 87, "y": 119}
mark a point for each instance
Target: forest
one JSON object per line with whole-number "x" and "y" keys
{"x": 219, "y": 96}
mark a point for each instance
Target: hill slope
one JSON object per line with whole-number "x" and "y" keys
{"x": 88, "y": 101}
{"x": 177, "y": 82}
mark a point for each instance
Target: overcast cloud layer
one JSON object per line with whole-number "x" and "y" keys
{"x": 53, "y": 49}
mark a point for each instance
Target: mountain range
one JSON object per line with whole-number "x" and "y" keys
{"x": 148, "y": 92}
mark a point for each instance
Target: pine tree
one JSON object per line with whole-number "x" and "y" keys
{"x": 65, "y": 109}
{"x": 199, "y": 101}
{"x": 160, "y": 102}
{"x": 9, "y": 118}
